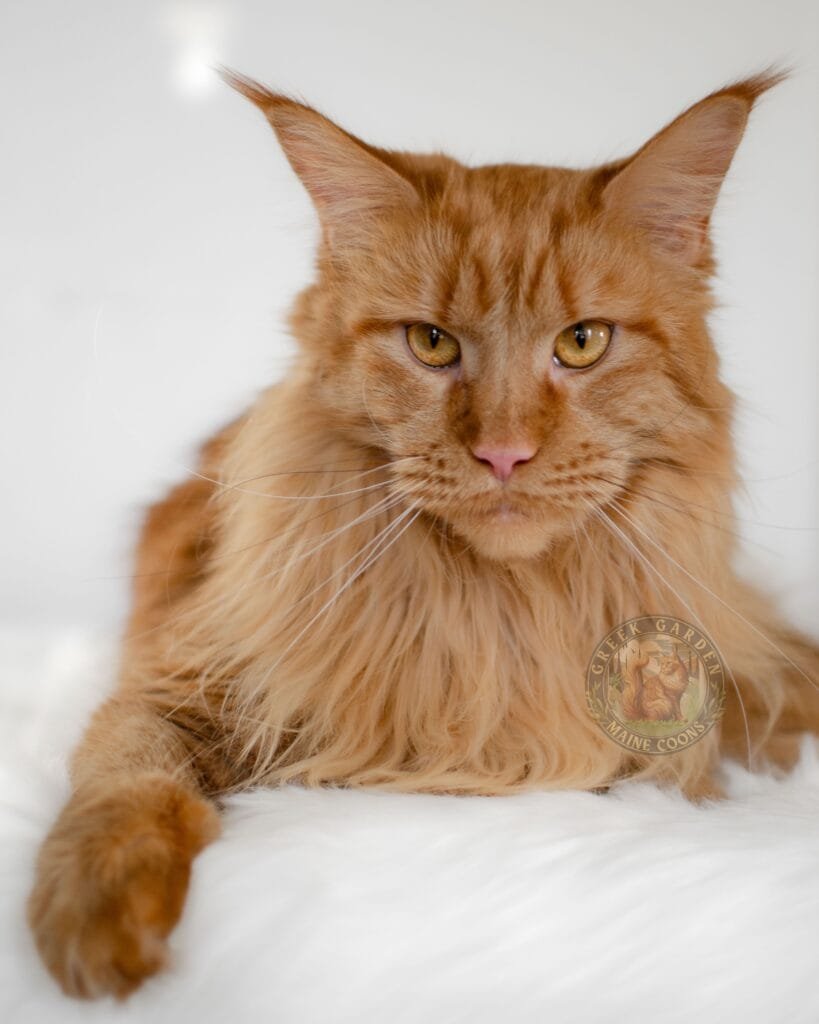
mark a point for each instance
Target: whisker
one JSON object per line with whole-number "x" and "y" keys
{"x": 250, "y": 698}
{"x": 629, "y": 489}
{"x": 384, "y": 504}
{"x": 195, "y": 610}
{"x": 701, "y": 624}
{"x": 397, "y": 500}
{"x": 329, "y": 603}
{"x": 333, "y": 493}
{"x": 716, "y": 511}
{"x": 211, "y": 558}
{"x": 607, "y": 521}
{"x": 313, "y": 472}
{"x": 724, "y": 603}
{"x": 670, "y": 464}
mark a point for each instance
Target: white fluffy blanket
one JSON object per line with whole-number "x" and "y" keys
{"x": 367, "y": 907}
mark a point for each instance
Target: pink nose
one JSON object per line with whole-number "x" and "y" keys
{"x": 503, "y": 458}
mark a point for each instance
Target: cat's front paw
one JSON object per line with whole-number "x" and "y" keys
{"x": 111, "y": 882}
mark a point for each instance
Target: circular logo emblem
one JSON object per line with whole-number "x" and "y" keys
{"x": 655, "y": 685}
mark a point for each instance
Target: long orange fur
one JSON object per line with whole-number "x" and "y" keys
{"x": 338, "y": 597}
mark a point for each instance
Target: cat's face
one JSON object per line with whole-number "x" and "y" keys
{"x": 507, "y": 436}
{"x": 515, "y": 340}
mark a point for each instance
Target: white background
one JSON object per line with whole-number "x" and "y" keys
{"x": 152, "y": 235}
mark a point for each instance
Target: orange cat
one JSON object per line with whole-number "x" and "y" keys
{"x": 504, "y": 434}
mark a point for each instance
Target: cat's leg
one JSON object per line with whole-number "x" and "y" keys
{"x": 779, "y": 708}
{"x": 694, "y": 771}
{"x": 112, "y": 874}
{"x": 703, "y": 787}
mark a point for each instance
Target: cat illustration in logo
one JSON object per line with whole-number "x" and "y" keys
{"x": 654, "y": 696}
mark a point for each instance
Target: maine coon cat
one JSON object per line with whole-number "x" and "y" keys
{"x": 504, "y": 434}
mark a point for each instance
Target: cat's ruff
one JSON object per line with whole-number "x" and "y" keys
{"x": 334, "y": 906}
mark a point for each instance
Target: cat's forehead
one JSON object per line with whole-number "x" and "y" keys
{"x": 506, "y": 192}
{"x": 500, "y": 251}
{"x": 503, "y": 242}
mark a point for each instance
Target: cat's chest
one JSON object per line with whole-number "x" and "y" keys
{"x": 489, "y": 637}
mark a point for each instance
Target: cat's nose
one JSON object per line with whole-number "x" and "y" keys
{"x": 502, "y": 459}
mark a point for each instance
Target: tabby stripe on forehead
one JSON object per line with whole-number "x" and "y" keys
{"x": 562, "y": 272}
{"x": 483, "y": 285}
{"x": 563, "y": 282}
{"x": 557, "y": 227}
{"x": 371, "y": 325}
{"x": 513, "y": 261}
{"x": 448, "y": 282}
{"x": 533, "y": 284}
{"x": 650, "y": 328}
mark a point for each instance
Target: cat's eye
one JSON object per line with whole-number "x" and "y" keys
{"x": 582, "y": 344}
{"x": 432, "y": 345}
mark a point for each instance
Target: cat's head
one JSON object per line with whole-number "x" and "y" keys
{"x": 517, "y": 340}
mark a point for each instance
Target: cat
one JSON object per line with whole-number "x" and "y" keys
{"x": 673, "y": 678}
{"x": 653, "y": 696}
{"x": 634, "y": 684}
{"x": 504, "y": 434}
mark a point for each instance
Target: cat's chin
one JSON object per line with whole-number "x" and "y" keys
{"x": 507, "y": 538}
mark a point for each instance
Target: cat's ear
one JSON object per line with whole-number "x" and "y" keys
{"x": 670, "y": 185}
{"x": 350, "y": 185}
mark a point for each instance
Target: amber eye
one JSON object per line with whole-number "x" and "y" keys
{"x": 433, "y": 346}
{"x": 582, "y": 344}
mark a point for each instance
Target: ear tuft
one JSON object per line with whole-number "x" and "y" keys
{"x": 259, "y": 95}
{"x": 248, "y": 87}
{"x": 751, "y": 88}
